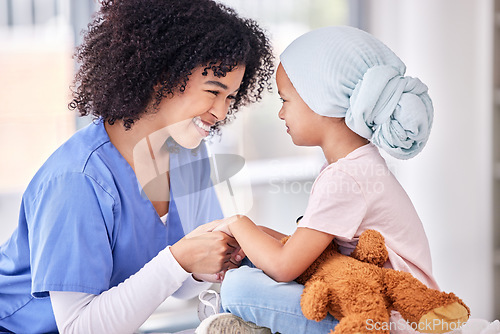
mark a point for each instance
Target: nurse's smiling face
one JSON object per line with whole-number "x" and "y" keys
{"x": 189, "y": 115}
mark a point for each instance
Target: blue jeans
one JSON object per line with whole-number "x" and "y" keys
{"x": 255, "y": 297}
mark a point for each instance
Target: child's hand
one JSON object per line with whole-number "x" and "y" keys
{"x": 223, "y": 224}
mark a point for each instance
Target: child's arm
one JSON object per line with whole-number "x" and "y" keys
{"x": 283, "y": 263}
{"x": 273, "y": 233}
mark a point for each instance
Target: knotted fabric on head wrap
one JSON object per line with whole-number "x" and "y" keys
{"x": 346, "y": 72}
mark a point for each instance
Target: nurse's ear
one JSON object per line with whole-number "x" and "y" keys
{"x": 159, "y": 93}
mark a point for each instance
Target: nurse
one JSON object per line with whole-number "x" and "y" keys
{"x": 115, "y": 220}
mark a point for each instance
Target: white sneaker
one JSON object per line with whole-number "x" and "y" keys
{"x": 227, "y": 323}
{"x": 209, "y": 304}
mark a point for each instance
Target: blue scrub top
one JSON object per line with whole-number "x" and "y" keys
{"x": 85, "y": 227}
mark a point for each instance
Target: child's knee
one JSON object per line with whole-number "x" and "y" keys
{"x": 235, "y": 278}
{"x": 237, "y": 283}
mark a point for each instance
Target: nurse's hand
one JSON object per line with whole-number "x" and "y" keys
{"x": 205, "y": 252}
{"x": 212, "y": 278}
{"x": 219, "y": 277}
{"x": 209, "y": 227}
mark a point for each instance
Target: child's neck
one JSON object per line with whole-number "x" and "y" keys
{"x": 338, "y": 148}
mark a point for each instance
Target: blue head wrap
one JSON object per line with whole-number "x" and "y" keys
{"x": 346, "y": 72}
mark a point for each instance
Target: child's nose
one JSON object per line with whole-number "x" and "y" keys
{"x": 281, "y": 114}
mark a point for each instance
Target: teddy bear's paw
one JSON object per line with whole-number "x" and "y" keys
{"x": 444, "y": 319}
{"x": 314, "y": 300}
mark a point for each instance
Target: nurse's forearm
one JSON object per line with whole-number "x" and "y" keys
{"x": 124, "y": 308}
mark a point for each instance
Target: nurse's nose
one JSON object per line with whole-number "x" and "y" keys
{"x": 220, "y": 109}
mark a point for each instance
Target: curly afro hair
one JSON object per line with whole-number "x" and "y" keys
{"x": 136, "y": 52}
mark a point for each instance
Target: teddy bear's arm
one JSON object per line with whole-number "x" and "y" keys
{"x": 314, "y": 300}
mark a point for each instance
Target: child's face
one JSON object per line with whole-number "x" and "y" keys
{"x": 206, "y": 100}
{"x": 301, "y": 122}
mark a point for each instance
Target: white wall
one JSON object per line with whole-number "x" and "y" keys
{"x": 447, "y": 44}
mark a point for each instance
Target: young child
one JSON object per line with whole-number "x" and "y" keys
{"x": 344, "y": 91}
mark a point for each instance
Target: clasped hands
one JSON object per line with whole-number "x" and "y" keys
{"x": 218, "y": 232}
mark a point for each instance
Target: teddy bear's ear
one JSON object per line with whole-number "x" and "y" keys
{"x": 285, "y": 239}
{"x": 371, "y": 248}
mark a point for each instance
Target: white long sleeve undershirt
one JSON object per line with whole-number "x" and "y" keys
{"x": 124, "y": 308}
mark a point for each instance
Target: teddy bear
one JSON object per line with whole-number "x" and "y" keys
{"x": 359, "y": 292}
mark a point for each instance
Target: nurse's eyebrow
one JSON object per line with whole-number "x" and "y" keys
{"x": 216, "y": 83}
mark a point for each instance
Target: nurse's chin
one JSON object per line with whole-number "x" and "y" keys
{"x": 188, "y": 139}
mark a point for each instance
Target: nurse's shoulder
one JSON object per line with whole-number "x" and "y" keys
{"x": 80, "y": 154}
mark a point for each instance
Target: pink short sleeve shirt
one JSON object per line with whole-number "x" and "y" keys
{"x": 359, "y": 192}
